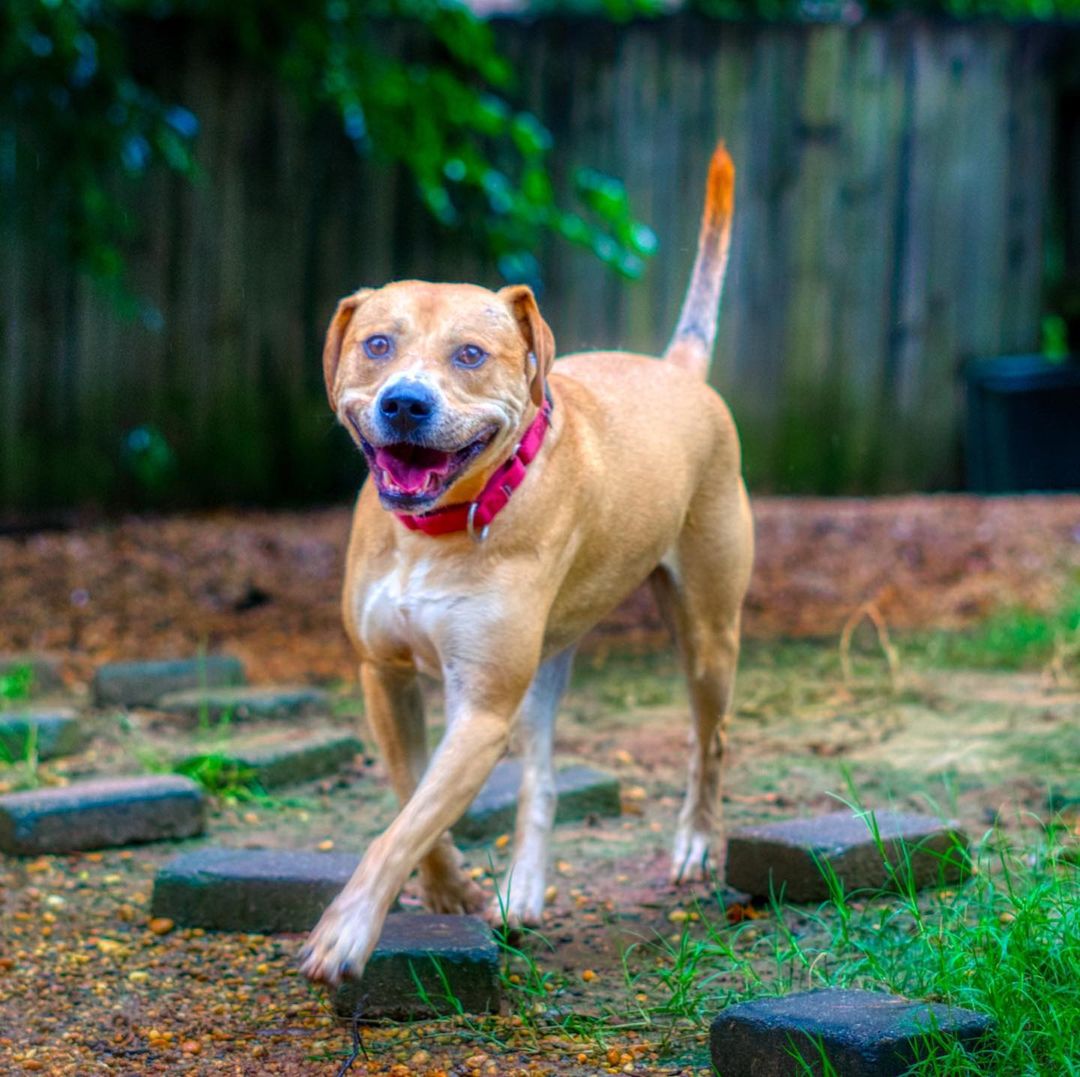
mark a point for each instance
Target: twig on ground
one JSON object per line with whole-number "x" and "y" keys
{"x": 358, "y": 1047}
{"x": 870, "y": 611}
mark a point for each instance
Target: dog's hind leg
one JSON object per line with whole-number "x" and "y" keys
{"x": 395, "y": 715}
{"x": 520, "y": 900}
{"x": 700, "y": 592}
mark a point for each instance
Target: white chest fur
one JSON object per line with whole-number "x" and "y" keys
{"x": 406, "y": 613}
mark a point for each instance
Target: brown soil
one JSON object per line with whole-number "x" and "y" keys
{"x": 265, "y": 586}
{"x": 87, "y": 987}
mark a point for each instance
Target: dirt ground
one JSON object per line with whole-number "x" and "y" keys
{"x": 86, "y": 986}
{"x": 266, "y": 586}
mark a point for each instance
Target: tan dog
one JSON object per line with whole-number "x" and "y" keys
{"x": 634, "y": 476}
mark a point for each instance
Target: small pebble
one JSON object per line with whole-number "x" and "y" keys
{"x": 161, "y": 925}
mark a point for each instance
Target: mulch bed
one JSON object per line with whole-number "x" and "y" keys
{"x": 266, "y": 586}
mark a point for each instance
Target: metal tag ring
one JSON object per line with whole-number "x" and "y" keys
{"x": 470, "y": 524}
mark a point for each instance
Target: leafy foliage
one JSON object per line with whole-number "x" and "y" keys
{"x": 77, "y": 126}
{"x": 419, "y": 83}
{"x": 851, "y": 10}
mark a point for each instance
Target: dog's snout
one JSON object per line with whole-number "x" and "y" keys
{"x": 407, "y": 406}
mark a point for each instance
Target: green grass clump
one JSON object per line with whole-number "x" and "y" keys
{"x": 1011, "y": 639}
{"x": 25, "y": 769}
{"x": 222, "y": 776}
{"x": 1005, "y": 943}
{"x": 16, "y": 684}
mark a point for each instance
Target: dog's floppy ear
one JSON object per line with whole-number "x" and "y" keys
{"x": 538, "y": 336}
{"x": 335, "y": 336}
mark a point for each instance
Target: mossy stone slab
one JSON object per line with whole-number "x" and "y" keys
{"x": 791, "y": 858}
{"x": 426, "y": 965}
{"x": 582, "y": 792}
{"x": 49, "y": 734}
{"x": 100, "y": 814}
{"x": 273, "y": 764}
{"x": 258, "y": 891}
{"x": 142, "y": 684}
{"x": 218, "y": 705}
{"x": 859, "y": 1033}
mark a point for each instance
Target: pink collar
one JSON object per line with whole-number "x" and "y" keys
{"x": 475, "y": 516}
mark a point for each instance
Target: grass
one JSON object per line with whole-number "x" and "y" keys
{"x": 16, "y": 684}
{"x": 1012, "y": 639}
{"x": 1005, "y": 943}
{"x": 25, "y": 767}
{"x": 223, "y": 776}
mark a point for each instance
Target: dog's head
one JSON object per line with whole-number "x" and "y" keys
{"x": 434, "y": 382}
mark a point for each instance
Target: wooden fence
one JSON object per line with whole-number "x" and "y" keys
{"x": 893, "y": 191}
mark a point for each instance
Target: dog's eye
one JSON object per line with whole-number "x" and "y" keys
{"x": 470, "y": 355}
{"x": 378, "y": 347}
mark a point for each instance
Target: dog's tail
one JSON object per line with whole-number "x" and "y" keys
{"x": 692, "y": 345}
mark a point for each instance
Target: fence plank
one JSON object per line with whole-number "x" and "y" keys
{"x": 893, "y": 187}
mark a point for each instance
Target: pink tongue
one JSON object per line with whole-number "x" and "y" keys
{"x": 409, "y": 467}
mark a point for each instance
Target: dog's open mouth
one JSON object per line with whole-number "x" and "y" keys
{"x": 413, "y": 476}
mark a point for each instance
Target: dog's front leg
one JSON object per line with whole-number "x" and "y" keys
{"x": 478, "y": 728}
{"x": 395, "y": 716}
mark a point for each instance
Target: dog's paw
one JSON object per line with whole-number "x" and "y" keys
{"x": 339, "y": 945}
{"x": 510, "y": 918}
{"x": 690, "y": 858}
{"x": 453, "y": 895}
{"x": 520, "y": 902}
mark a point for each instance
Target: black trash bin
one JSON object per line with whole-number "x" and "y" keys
{"x": 1023, "y": 424}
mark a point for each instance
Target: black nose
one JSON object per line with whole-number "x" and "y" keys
{"x": 406, "y": 406}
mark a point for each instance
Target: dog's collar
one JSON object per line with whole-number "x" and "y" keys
{"x": 475, "y": 516}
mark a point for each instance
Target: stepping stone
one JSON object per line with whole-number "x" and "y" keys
{"x": 142, "y": 684}
{"x": 582, "y": 792}
{"x": 47, "y": 733}
{"x": 101, "y": 813}
{"x": 257, "y": 891}
{"x": 270, "y": 764}
{"x": 218, "y": 705}
{"x": 784, "y": 857}
{"x": 454, "y": 958}
{"x": 42, "y": 671}
{"x": 861, "y": 1033}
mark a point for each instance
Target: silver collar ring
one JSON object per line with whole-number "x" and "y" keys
{"x": 470, "y": 525}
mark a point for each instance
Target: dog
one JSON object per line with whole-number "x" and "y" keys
{"x": 511, "y": 503}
